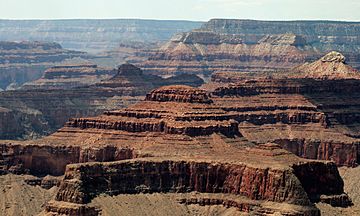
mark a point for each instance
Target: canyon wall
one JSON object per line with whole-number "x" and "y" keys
{"x": 226, "y": 45}
{"x": 324, "y": 35}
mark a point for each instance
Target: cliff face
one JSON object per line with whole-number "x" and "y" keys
{"x": 250, "y": 46}
{"x": 24, "y": 61}
{"x": 181, "y": 176}
{"x": 129, "y": 177}
{"x": 324, "y": 35}
{"x": 206, "y": 52}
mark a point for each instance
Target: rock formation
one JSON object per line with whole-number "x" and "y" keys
{"x": 179, "y": 94}
{"x": 323, "y": 35}
{"x": 321, "y": 102}
{"x": 330, "y": 66}
{"x": 203, "y": 53}
{"x": 70, "y": 76}
{"x": 222, "y": 45}
{"x": 180, "y": 140}
{"x": 42, "y": 108}
{"x": 21, "y": 62}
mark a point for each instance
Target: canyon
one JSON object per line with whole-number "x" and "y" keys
{"x": 201, "y": 146}
{"x": 45, "y": 105}
{"x": 274, "y": 130}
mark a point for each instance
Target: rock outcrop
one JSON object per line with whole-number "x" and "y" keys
{"x": 129, "y": 177}
{"x": 330, "y": 66}
{"x": 21, "y": 62}
{"x": 170, "y": 110}
{"x": 70, "y": 76}
{"x": 179, "y": 94}
{"x": 131, "y": 80}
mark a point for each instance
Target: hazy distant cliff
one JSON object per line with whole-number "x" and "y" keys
{"x": 92, "y": 35}
{"x": 324, "y": 35}
{"x": 252, "y": 46}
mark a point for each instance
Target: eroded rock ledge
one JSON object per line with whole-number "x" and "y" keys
{"x": 85, "y": 181}
{"x": 179, "y": 93}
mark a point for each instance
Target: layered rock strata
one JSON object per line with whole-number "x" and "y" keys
{"x": 181, "y": 140}
{"x": 327, "y": 87}
{"x": 21, "y": 62}
{"x": 31, "y": 113}
{"x": 226, "y": 45}
{"x": 323, "y": 35}
{"x": 70, "y": 76}
{"x": 203, "y": 53}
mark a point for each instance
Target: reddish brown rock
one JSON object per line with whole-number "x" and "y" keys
{"x": 182, "y": 145}
{"x": 52, "y": 160}
{"x": 34, "y": 113}
{"x": 179, "y": 93}
{"x": 70, "y": 76}
{"x": 322, "y": 108}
